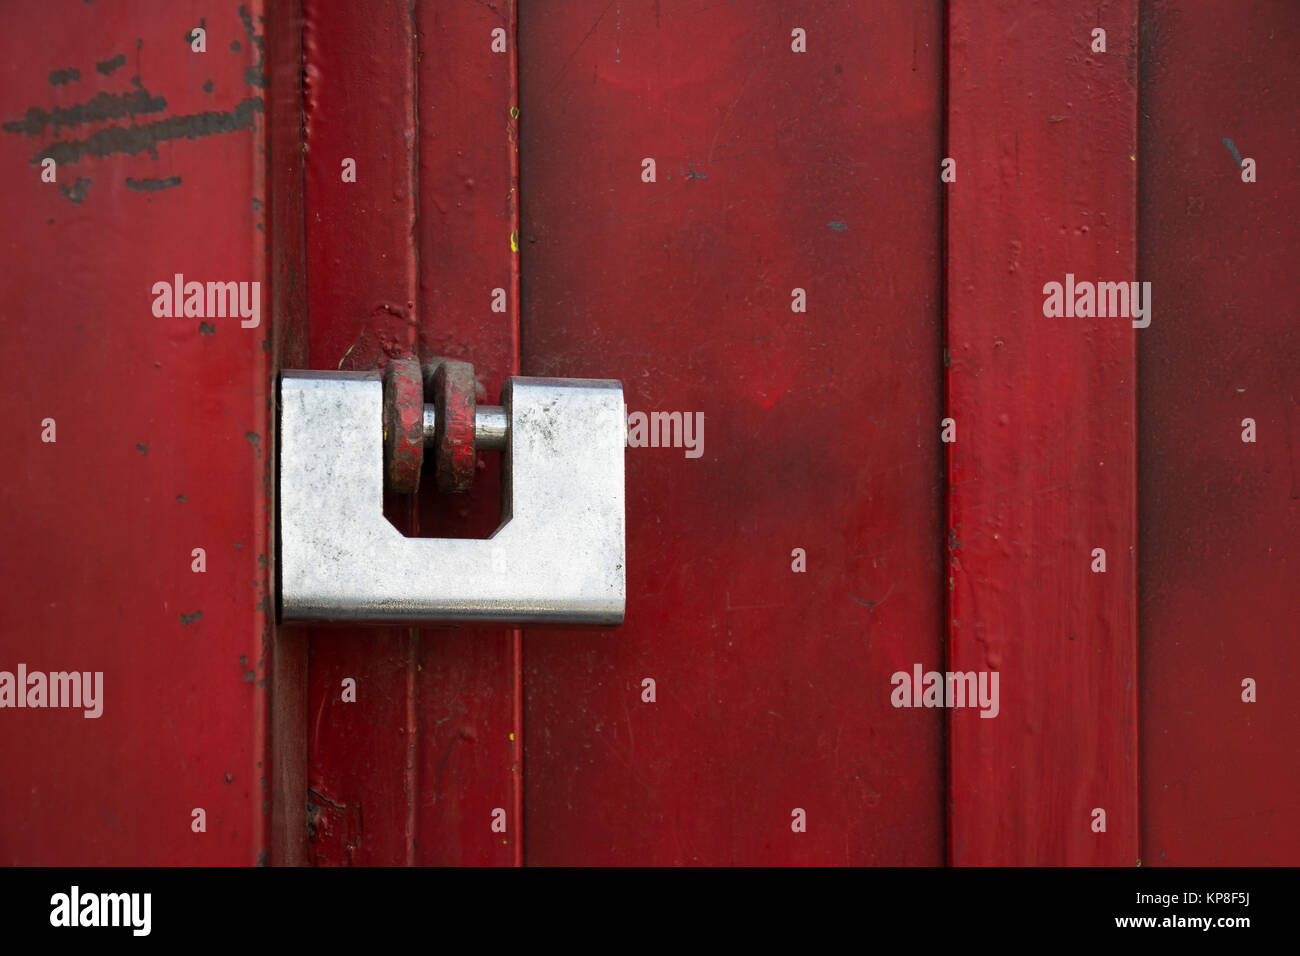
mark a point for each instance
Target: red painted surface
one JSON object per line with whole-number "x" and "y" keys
{"x": 1042, "y": 471}
{"x": 776, "y": 170}
{"x": 287, "y": 264}
{"x": 162, "y": 440}
{"x": 360, "y": 105}
{"x": 412, "y": 771}
{"x": 1219, "y": 516}
{"x": 469, "y": 722}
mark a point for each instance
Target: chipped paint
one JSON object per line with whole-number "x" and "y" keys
{"x": 152, "y": 185}
{"x": 103, "y": 106}
{"x": 131, "y": 141}
{"x": 1233, "y": 148}
{"x": 77, "y": 191}
{"x": 113, "y": 63}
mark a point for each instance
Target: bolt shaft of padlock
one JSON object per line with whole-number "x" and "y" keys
{"x": 490, "y": 427}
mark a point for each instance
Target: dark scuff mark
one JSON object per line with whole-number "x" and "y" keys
{"x": 145, "y": 139}
{"x": 257, "y": 204}
{"x": 254, "y": 75}
{"x": 113, "y": 63}
{"x": 207, "y": 328}
{"x": 63, "y": 77}
{"x": 871, "y": 604}
{"x": 191, "y": 618}
{"x": 77, "y": 191}
{"x": 142, "y": 448}
{"x": 230, "y": 778}
{"x": 152, "y": 185}
{"x": 234, "y": 46}
{"x": 692, "y": 174}
{"x": 253, "y": 438}
{"x": 181, "y": 499}
{"x": 838, "y": 226}
{"x": 208, "y": 86}
{"x": 248, "y": 677}
{"x": 104, "y": 106}
{"x": 1233, "y": 146}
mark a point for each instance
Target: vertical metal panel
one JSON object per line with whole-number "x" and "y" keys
{"x": 1218, "y": 515}
{"x": 468, "y": 678}
{"x": 361, "y": 298}
{"x": 413, "y": 770}
{"x": 162, "y": 426}
{"x": 286, "y": 225}
{"x": 775, "y": 170}
{"x": 1042, "y": 471}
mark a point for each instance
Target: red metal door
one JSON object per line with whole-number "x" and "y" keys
{"x": 895, "y": 460}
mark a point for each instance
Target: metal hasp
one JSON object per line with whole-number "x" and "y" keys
{"x": 558, "y": 557}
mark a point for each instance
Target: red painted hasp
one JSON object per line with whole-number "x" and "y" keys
{"x": 1042, "y": 470}
{"x": 775, "y": 171}
{"x": 403, "y": 262}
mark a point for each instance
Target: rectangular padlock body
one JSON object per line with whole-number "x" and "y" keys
{"x": 558, "y": 557}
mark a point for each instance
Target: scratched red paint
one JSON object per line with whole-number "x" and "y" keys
{"x": 162, "y": 447}
{"x": 776, "y": 171}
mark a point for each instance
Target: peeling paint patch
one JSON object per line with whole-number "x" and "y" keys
{"x": 838, "y": 226}
{"x": 207, "y": 328}
{"x": 191, "y": 618}
{"x": 113, "y": 63}
{"x": 63, "y": 77}
{"x": 132, "y": 140}
{"x": 142, "y": 448}
{"x": 104, "y": 106}
{"x": 77, "y": 191}
{"x": 254, "y": 75}
{"x": 207, "y": 87}
{"x": 152, "y": 185}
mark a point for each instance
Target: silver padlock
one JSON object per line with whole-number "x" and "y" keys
{"x": 557, "y": 558}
